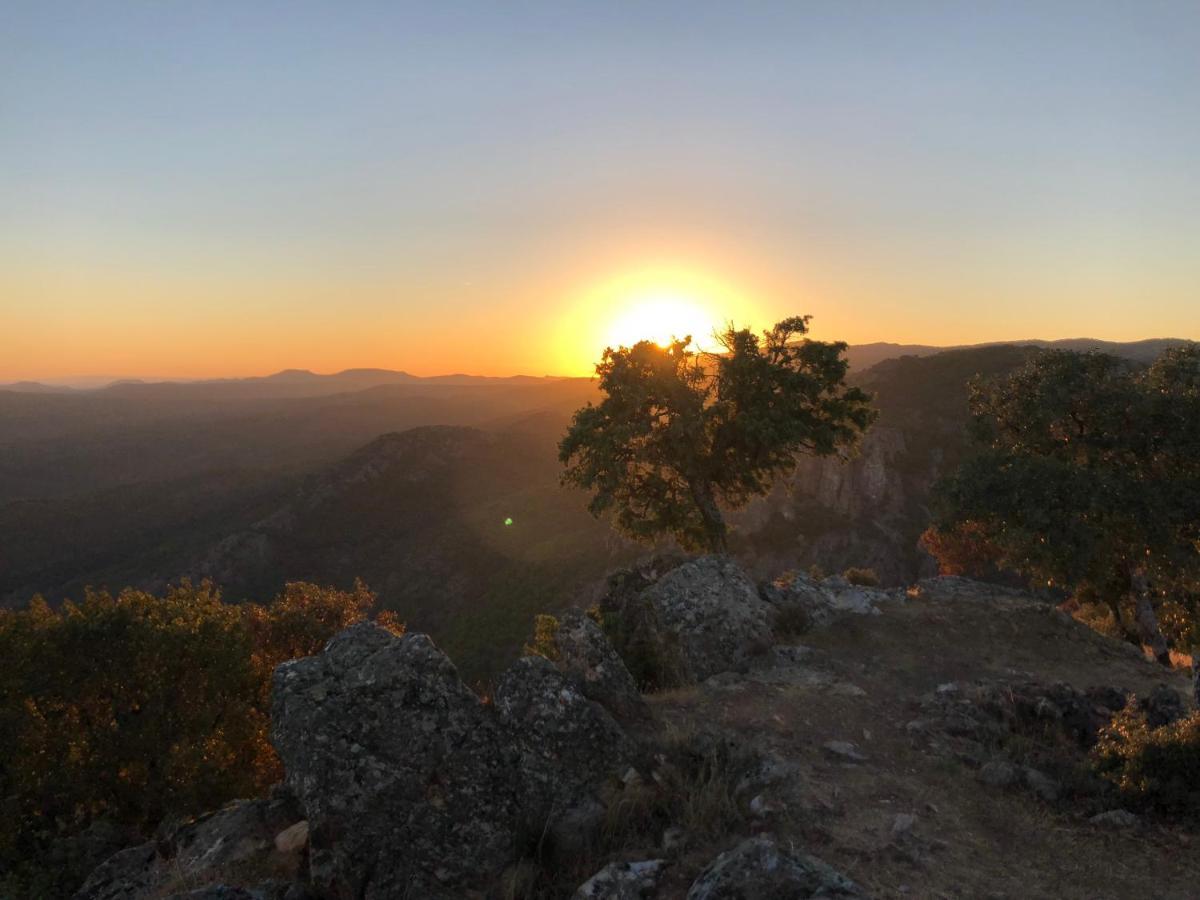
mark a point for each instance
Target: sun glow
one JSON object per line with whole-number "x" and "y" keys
{"x": 660, "y": 319}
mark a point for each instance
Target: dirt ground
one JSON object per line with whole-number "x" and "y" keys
{"x": 860, "y": 682}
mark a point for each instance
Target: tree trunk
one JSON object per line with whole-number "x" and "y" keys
{"x": 714, "y": 523}
{"x": 1147, "y": 621}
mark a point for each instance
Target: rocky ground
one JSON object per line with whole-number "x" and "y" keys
{"x": 822, "y": 740}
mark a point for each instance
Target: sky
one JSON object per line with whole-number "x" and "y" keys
{"x": 231, "y": 188}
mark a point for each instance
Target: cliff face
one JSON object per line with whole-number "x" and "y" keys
{"x": 870, "y": 509}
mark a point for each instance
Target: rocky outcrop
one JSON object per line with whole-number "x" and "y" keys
{"x": 565, "y": 743}
{"x": 714, "y": 614}
{"x": 398, "y": 765}
{"x": 585, "y": 655}
{"x": 622, "y": 881}
{"x": 820, "y": 603}
{"x": 411, "y": 783}
{"x": 763, "y": 868}
{"x": 238, "y": 838}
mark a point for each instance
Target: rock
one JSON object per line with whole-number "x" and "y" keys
{"x": 903, "y": 823}
{"x": 1162, "y": 706}
{"x": 586, "y": 656}
{"x": 714, "y": 613}
{"x": 622, "y": 881}
{"x": 762, "y": 869}
{"x": 956, "y": 588}
{"x": 998, "y": 773}
{"x": 575, "y": 830}
{"x": 1116, "y": 818}
{"x": 674, "y": 839}
{"x": 398, "y": 764}
{"x": 800, "y": 599}
{"x": 240, "y": 834}
{"x": 844, "y": 750}
{"x": 1041, "y": 784}
{"x": 565, "y": 743}
{"x": 293, "y": 839}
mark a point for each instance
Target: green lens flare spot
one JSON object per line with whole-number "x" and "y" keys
{"x": 508, "y": 521}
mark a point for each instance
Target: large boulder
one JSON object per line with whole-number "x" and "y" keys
{"x": 585, "y": 655}
{"x": 713, "y": 612}
{"x": 398, "y": 765}
{"x": 565, "y": 743}
{"x": 239, "y": 837}
{"x": 761, "y": 869}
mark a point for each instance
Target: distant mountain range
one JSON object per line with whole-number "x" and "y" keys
{"x": 306, "y": 383}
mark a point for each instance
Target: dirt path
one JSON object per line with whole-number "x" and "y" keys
{"x": 860, "y": 682}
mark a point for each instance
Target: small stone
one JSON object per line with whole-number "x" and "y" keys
{"x": 673, "y": 839}
{"x": 292, "y": 839}
{"x": 1116, "y": 818}
{"x": 845, "y": 750}
{"x": 622, "y": 881}
{"x": 1041, "y": 784}
{"x": 903, "y": 823}
{"x": 998, "y": 773}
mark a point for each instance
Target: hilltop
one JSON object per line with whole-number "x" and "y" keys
{"x": 826, "y": 740}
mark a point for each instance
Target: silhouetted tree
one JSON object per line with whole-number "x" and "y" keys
{"x": 1087, "y": 476}
{"x": 680, "y": 433}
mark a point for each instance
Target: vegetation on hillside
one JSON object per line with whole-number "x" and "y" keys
{"x": 680, "y": 433}
{"x": 130, "y": 708}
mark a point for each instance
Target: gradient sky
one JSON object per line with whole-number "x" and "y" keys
{"x": 199, "y": 189}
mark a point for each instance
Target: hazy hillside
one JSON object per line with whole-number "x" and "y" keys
{"x": 140, "y": 484}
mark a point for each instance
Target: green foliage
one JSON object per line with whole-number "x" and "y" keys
{"x": 131, "y": 708}
{"x": 1152, "y": 768}
{"x": 861, "y": 577}
{"x": 680, "y": 433}
{"x": 1086, "y": 475}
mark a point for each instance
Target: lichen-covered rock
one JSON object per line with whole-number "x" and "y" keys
{"x": 622, "y": 881}
{"x": 824, "y": 602}
{"x": 715, "y": 613}
{"x": 586, "y": 656}
{"x": 240, "y": 834}
{"x": 565, "y": 743}
{"x": 398, "y": 765}
{"x": 951, "y": 588}
{"x": 762, "y": 869}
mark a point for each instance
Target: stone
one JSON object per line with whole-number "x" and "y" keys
{"x": 1162, "y": 706}
{"x": 397, "y": 763}
{"x": 293, "y": 839}
{"x": 586, "y": 656}
{"x": 1116, "y": 818}
{"x": 763, "y": 869}
{"x": 565, "y": 743}
{"x": 903, "y": 824}
{"x": 622, "y": 881}
{"x": 844, "y": 750}
{"x": 674, "y": 838}
{"x": 713, "y": 612}
{"x": 998, "y": 773}
{"x": 1041, "y": 784}
{"x": 241, "y": 833}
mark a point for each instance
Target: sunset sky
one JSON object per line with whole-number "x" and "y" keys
{"x": 205, "y": 189}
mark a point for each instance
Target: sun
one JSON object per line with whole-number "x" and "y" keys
{"x": 661, "y": 318}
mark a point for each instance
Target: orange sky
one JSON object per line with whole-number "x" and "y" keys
{"x": 192, "y": 191}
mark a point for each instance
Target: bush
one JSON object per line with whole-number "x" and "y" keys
{"x": 861, "y": 577}
{"x": 1152, "y": 768}
{"x": 649, "y": 651}
{"x": 131, "y": 708}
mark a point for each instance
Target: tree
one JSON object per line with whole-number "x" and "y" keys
{"x": 1086, "y": 476}
{"x": 681, "y": 433}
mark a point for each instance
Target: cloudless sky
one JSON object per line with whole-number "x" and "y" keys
{"x": 196, "y": 189}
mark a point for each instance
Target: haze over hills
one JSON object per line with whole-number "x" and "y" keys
{"x": 407, "y": 484}
{"x": 304, "y": 382}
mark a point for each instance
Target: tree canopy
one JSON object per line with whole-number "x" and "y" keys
{"x": 1086, "y": 476}
{"x": 681, "y": 433}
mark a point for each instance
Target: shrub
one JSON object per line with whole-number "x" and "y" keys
{"x": 791, "y": 621}
{"x": 1152, "y": 768}
{"x": 649, "y": 651}
{"x": 545, "y": 628}
{"x": 861, "y": 577}
{"x": 131, "y": 708}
